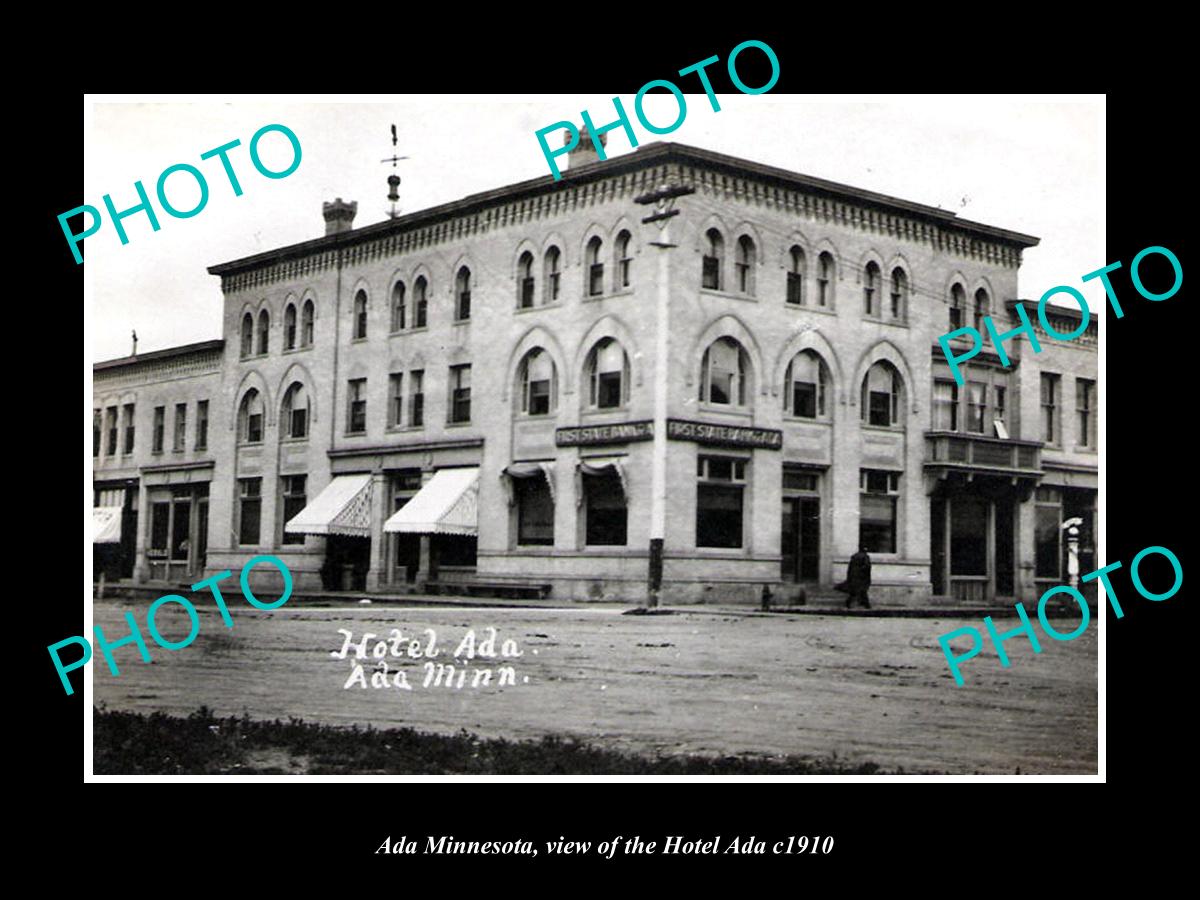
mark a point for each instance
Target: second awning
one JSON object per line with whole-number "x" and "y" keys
{"x": 447, "y": 504}
{"x": 344, "y": 507}
{"x": 106, "y": 524}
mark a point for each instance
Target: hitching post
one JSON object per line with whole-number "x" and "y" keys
{"x": 663, "y": 199}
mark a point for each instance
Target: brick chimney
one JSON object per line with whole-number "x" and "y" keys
{"x": 584, "y": 152}
{"x": 339, "y": 216}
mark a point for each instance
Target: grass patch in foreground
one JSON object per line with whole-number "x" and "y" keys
{"x": 159, "y": 744}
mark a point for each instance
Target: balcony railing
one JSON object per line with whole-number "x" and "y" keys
{"x": 976, "y": 451}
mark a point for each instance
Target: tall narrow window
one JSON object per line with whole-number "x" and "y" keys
{"x": 160, "y": 425}
{"x": 877, "y": 501}
{"x": 295, "y": 411}
{"x": 535, "y": 511}
{"x": 1085, "y": 402}
{"x": 795, "y": 276}
{"x": 899, "y": 294}
{"x": 97, "y": 427}
{"x": 881, "y": 395}
{"x": 976, "y": 407}
{"x": 826, "y": 271}
{"x": 553, "y": 260}
{"x": 247, "y": 335}
{"x": 395, "y": 399}
{"x": 723, "y": 373}
{"x": 536, "y": 376}
{"x": 356, "y": 406}
{"x": 871, "y": 289}
{"x": 806, "y": 381}
{"x": 945, "y": 406}
{"x": 525, "y": 282}
{"x": 710, "y": 273}
{"x": 180, "y": 427}
{"x": 606, "y": 516}
{"x": 289, "y": 327}
{"x": 460, "y": 393}
{"x": 416, "y": 398}
{"x": 264, "y": 333}
{"x": 110, "y": 426}
{"x": 1048, "y": 533}
{"x": 250, "y": 510}
{"x": 462, "y": 295}
{"x": 608, "y": 374}
{"x": 1050, "y": 403}
{"x": 745, "y": 264}
{"x": 127, "y": 412}
{"x": 1000, "y": 412}
{"x": 398, "y": 306}
{"x": 295, "y": 498}
{"x": 623, "y": 259}
{"x": 983, "y": 308}
{"x": 721, "y": 481}
{"x": 958, "y": 302}
{"x": 201, "y": 424}
{"x": 420, "y": 302}
{"x": 306, "y": 324}
{"x": 360, "y": 315}
{"x": 594, "y": 268}
{"x": 250, "y": 416}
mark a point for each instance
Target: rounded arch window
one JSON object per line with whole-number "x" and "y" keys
{"x": 250, "y": 417}
{"x": 806, "y": 386}
{"x": 725, "y": 374}
{"x": 883, "y": 395}
{"x": 295, "y": 411}
{"x": 537, "y": 381}
{"x": 607, "y": 373}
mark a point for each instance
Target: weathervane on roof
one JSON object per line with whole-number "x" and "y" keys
{"x": 393, "y": 179}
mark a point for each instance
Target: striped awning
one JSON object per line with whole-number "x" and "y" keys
{"x": 447, "y": 504}
{"x": 344, "y": 508}
{"x": 106, "y": 525}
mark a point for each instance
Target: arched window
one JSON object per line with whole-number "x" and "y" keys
{"x": 724, "y": 373}
{"x": 826, "y": 274}
{"x": 806, "y": 386}
{"x": 247, "y": 334}
{"x": 623, "y": 259}
{"x": 462, "y": 295}
{"x": 360, "y": 315}
{"x": 882, "y": 391}
{"x": 420, "y": 302}
{"x": 983, "y": 307}
{"x": 899, "y": 293}
{"x": 525, "y": 282}
{"x": 295, "y": 411}
{"x": 551, "y": 270}
{"x": 538, "y": 383}
{"x": 958, "y": 301}
{"x": 398, "y": 306}
{"x": 745, "y": 264}
{"x": 264, "y": 332}
{"x": 607, "y": 371}
{"x": 595, "y": 268}
{"x": 289, "y": 327}
{"x": 795, "y": 276}
{"x": 871, "y": 289}
{"x": 306, "y": 324}
{"x": 710, "y": 273}
{"x": 250, "y": 418}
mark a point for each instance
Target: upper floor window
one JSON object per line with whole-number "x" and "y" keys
{"x": 945, "y": 406}
{"x": 398, "y": 306}
{"x": 395, "y": 399}
{"x": 201, "y": 424}
{"x": 623, "y": 259}
{"x": 356, "y": 406}
{"x": 250, "y": 418}
{"x": 795, "y": 276}
{"x": 460, "y": 393}
{"x": 1085, "y": 404}
{"x": 247, "y": 335}
{"x": 806, "y": 385}
{"x": 607, "y": 371}
{"x": 871, "y": 289}
{"x": 745, "y": 264}
{"x": 882, "y": 390}
{"x": 295, "y": 411}
{"x": 462, "y": 295}
{"x": 416, "y": 398}
{"x": 977, "y": 407}
{"x": 724, "y": 373}
{"x": 899, "y": 293}
{"x": 525, "y": 282}
{"x": 420, "y": 302}
{"x": 360, "y": 315}
{"x": 594, "y": 269}
{"x": 180, "y": 427}
{"x": 97, "y": 425}
{"x": 536, "y": 377}
{"x": 306, "y": 324}
{"x": 156, "y": 435}
{"x": 127, "y": 411}
{"x": 264, "y": 333}
{"x": 289, "y": 327}
{"x": 1051, "y": 388}
{"x": 552, "y": 262}
{"x": 710, "y": 274}
{"x": 983, "y": 307}
{"x": 958, "y": 302}
{"x": 111, "y": 426}
{"x": 826, "y": 273}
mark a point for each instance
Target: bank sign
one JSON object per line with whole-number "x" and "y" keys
{"x": 724, "y": 435}
{"x": 592, "y": 435}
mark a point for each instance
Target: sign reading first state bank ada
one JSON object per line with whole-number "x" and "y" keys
{"x": 677, "y": 429}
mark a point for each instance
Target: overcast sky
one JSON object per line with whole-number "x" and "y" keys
{"x": 1026, "y": 164}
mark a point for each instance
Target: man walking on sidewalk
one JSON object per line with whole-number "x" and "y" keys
{"x": 858, "y": 579}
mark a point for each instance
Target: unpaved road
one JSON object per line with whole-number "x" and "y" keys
{"x": 870, "y": 690}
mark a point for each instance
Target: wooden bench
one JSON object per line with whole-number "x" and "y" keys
{"x": 502, "y": 589}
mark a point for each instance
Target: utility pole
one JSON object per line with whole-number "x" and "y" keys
{"x": 664, "y": 200}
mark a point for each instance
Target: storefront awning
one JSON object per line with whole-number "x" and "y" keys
{"x": 106, "y": 525}
{"x": 344, "y": 507}
{"x": 448, "y": 504}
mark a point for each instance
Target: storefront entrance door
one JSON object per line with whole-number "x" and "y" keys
{"x": 800, "y": 536}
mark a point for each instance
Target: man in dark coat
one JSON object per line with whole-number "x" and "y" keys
{"x": 858, "y": 579}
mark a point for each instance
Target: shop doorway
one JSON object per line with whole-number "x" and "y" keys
{"x": 800, "y": 533}
{"x": 346, "y": 562}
